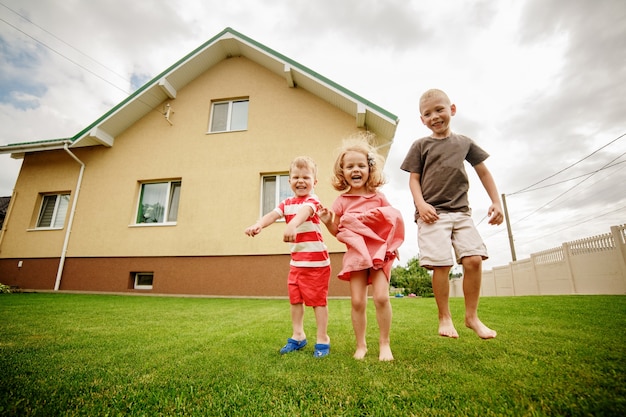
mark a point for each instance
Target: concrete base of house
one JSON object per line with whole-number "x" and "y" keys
{"x": 226, "y": 276}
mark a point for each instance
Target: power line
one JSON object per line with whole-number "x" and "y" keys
{"x": 570, "y": 166}
{"x": 526, "y": 190}
{"x": 62, "y": 41}
{"x": 569, "y": 189}
{"x": 63, "y": 56}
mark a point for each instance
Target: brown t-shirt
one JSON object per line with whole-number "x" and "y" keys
{"x": 440, "y": 163}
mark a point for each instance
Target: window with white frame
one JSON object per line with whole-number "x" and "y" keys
{"x": 53, "y": 211}
{"x": 229, "y": 116}
{"x": 143, "y": 280}
{"x": 275, "y": 188}
{"x": 158, "y": 202}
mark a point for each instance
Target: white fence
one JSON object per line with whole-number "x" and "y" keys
{"x": 595, "y": 265}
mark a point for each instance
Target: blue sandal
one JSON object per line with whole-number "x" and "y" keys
{"x": 293, "y": 345}
{"x": 321, "y": 350}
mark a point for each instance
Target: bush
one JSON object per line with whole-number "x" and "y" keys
{"x": 413, "y": 279}
{"x": 5, "y": 289}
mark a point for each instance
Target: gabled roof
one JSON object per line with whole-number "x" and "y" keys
{"x": 228, "y": 43}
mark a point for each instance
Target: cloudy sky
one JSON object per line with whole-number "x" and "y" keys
{"x": 539, "y": 84}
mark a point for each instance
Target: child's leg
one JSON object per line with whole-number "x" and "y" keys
{"x": 297, "y": 321}
{"x": 358, "y": 296}
{"x": 441, "y": 289}
{"x": 472, "y": 277}
{"x": 321, "y": 319}
{"x": 380, "y": 287}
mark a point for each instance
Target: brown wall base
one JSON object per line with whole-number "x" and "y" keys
{"x": 263, "y": 276}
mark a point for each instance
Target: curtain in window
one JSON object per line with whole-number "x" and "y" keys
{"x": 269, "y": 194}
{"x": 219, "y": 121}
{"x": 239, "y": 116}
{"x": 174, "y": 198}
{"x": 153, "y": 199}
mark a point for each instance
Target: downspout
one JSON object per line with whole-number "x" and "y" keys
{"x": 57, "y": 283}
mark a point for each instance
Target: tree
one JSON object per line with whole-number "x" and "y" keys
{"x": 413, "y": 278}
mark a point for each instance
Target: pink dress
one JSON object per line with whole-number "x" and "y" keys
{"x": 371, "y": 229}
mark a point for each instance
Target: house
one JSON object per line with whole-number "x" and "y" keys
{"x": 154, "y": 195}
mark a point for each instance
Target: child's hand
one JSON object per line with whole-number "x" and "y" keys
{"x": 495, "y": 214}
{"x": 253, "y": 230}
{"x": 428, "y": 214}
{"x": 290, "y": 234}
{"x": 325, "y": 215}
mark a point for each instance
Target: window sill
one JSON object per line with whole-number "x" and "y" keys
{"x": 226, "y": 131}
{"x": 152, "y": 225}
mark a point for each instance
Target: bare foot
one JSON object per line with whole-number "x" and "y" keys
{"x": 360, "y": 353}
{"x": 447, "y": 329}
{"x": 385, "y": 353}
{"x": 481, "y": 330}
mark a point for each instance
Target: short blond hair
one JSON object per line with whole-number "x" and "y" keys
{"x": 362, "y": 143}
{"x": 304, "y": 162}
{"x": 433, "y": 92}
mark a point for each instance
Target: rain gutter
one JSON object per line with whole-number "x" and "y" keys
{"x": 57, "y": 283}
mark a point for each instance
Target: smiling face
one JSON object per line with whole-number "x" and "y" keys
{"x": 356, "y": 171}
{"x": 436, "y": 112}
{"x": 302, "y": 180}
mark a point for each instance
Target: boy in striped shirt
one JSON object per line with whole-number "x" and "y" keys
{"x": 309, "y": 272}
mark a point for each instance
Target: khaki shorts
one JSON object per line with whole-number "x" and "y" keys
{"x": 452, "y": 230}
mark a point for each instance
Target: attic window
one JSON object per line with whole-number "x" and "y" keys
{"x": 229, "y": 116}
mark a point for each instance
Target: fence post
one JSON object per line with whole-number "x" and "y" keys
{"x": 568, "y": 266}
{"x": 620, "y": 247}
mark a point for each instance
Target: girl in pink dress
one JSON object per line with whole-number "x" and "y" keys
{"x": 372, "y": 231}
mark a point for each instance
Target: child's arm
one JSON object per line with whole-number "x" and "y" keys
{"x": 290, "y": 231}
{"x": 330, "y": 220}
{"x": 426, "y": 211}
{"x": 265, "y": 221}
{"x": 495, "y": 210}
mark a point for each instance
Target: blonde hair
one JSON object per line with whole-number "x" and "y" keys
{"x": 304, "y": 162}
{"x": 361, "y": 143}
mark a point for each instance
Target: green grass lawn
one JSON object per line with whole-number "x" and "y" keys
{"x": 105, "y": 355}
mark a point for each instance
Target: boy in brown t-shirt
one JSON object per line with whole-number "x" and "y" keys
{"x": 439, "y": 186}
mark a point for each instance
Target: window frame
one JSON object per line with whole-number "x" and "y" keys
{"x": 54, "y": 217}
{"x": 277, "y": 191}
{"x": 136, "y": 277}
{"x": 229, "y": 115}
{"x": 171, "y": 193}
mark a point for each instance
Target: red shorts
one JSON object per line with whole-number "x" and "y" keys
{"x": 309, "y": 285}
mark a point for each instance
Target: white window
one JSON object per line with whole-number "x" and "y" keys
{"x": 275, "y": 188}
{"x": 158, "y": 202}
{"x": 228, "y": 116}
{"x": 53, "y": 210}
{"x": 143, "y": 280}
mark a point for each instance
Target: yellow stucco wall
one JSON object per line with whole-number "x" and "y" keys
{"x": 220, "y": 173}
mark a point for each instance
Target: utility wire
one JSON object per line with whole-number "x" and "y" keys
{"x": 63, "y": 56}
{"x": 568, "y": 190}
{"x": 526, "y": 190}
{"x": 570, "y": 166}
{"x": 125, "y": 79}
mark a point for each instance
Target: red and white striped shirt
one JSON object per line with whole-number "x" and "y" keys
{"x": 309, "y": 249}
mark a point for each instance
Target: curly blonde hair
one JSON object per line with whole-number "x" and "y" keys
{"x": 362, "y": 143}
